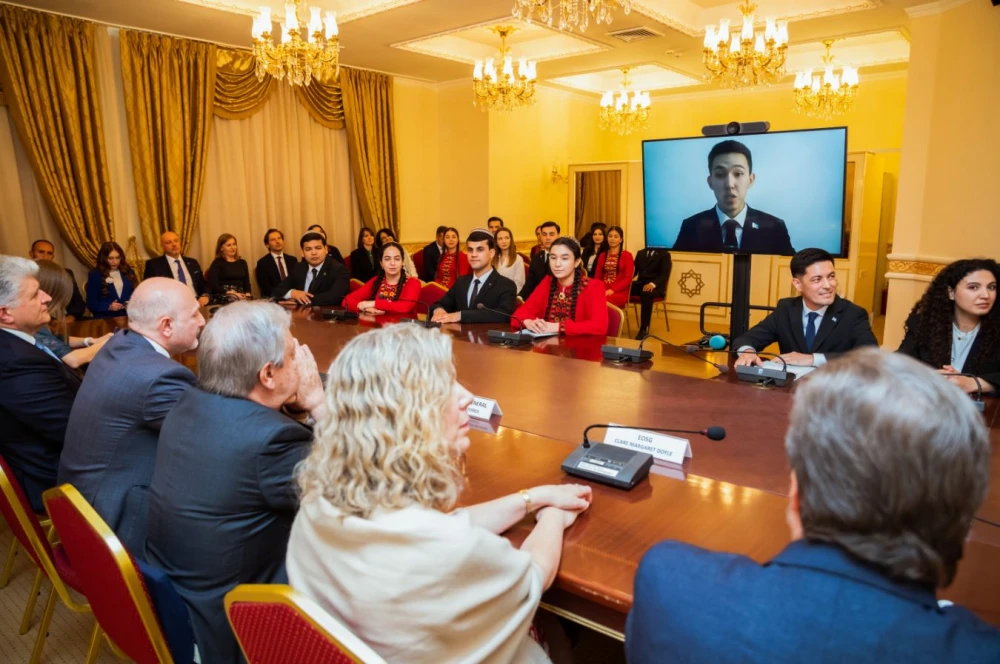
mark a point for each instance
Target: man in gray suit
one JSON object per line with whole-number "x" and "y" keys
{"x": 129, "y": 388}
{"x": 223, "y": 499}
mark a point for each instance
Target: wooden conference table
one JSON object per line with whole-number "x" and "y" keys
{"x": 728, "y": 497}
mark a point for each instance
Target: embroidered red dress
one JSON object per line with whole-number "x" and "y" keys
{"x": 616, "y": 272}
{"x": 383, "y": 300}
{"x": 451, "y": 267}
{"x": 591, "y": 307}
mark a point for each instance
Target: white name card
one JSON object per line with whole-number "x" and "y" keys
{"x": 483, "y": 409}
{"x": 662, "y": 447}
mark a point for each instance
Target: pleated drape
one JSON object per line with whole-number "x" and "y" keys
{"x": 238, "y": 92}
{"x": 48, "y": 74}
{"x": 169, "y": 99}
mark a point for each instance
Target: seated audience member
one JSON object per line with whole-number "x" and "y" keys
{"x": 597, "y": 244}
{"x": 811, "y": 328}
{"x": 568, "y": 302}
{"x": 392, "y": 291}
{"x": 538, "y": 241}
{"x": 494, "y": 224}
{"x": 273, "y": 267}
{"x": 110, "y": 284}
{"x": 377, "y": 541}
{"x": 229, "y": 275}
{"x": 539, "y": 268}
{"x": 453, "y": 262}
{"x": 432, "y": 253}
{"x": 331, "y": 250}
{"x": 129, "y": 388}
{"x": 508, "y": 262}
{"x": 652, "y": 270}
{"x": 43, "y": 250}
{"x": 485, "y": 286}
{"x": 318, "y": 279}
{"x": 615, "y": 267}
{"x": 877, "y": 519}
{"x": 955, "y": 325}
{"x": 363, "y": 263}
{"x": 385, "y": 236}
{"x": 223, "y": 498}
{"x": 75, "y": 352}
{"x": 173, "y": 265}
{"x": 36, "y": 388}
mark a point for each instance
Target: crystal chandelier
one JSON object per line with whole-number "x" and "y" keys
{"x": 746, "y": 58}
{"x": 504, "y": 92}
{"x": 833, "y": 95}
{"x": 624, "y": 114}
{"x": 572, "y": 13}
{"x": 304, "y": 53}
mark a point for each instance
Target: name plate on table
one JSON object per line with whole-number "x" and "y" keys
{"x": 483, "y": 409}
{"x": 661, "y": 447}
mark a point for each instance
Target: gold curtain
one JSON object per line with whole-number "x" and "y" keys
{"x": 169, "y": 91}
{"x": 48, "y": 72}
{"x": 324, "y": 101}
{"x": 238, "y": 93}
{"x": 368, "y": 114}
{"x": 600, "y": 199}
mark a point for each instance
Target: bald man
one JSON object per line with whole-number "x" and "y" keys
{"x": 173, "y": 265}
{"x": 130, "y": 387}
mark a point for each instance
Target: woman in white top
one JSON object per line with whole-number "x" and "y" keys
{"x": 376, "y": 541}
{"x": 507, "y": 261}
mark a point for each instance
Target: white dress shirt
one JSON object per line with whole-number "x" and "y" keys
{"x": 116, "y": 279}
{"x": 20, "y": 335}
{"x": 157, "y": 347}
{"x": 178, "y": 264}
{"x": 740, "y": 219}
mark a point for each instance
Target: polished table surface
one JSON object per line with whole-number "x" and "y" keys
{"x": 729, "y": 496}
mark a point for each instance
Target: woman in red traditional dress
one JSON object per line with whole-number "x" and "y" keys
{"x": 453, "y": 263}
{"x": 391, "y": 291}
{"x": 615, "y": 268}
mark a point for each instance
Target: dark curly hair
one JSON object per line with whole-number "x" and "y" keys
{"x": 936, "y": 312}
{"x": 102, "y": 266}
{"x": 579, "y": 277}
{"x": 381, "y": 273}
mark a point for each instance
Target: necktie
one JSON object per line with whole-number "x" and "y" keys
{"x": 811, "y": 329}
{"x": 180, "y": 272}
{"x": 281, "y": 268}
{"x": 41, "y": 346}
{"x": 729, "y": 234}
{"x": 475, "y": 293}
{"x": 312, "y": 278}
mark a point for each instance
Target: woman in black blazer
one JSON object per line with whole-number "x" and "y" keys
{"x": 363, "y": 261}
{"x": 955, "y": 326}
{"x": 229, "y": 275}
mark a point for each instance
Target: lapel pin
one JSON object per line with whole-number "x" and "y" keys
{"x": 754, "y": 226}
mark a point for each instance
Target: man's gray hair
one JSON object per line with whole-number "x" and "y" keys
{"x": 892, "y": 463}
{"x": 240, "y": 339}
{"x": 13, "y": 271}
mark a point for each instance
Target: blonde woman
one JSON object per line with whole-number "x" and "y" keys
{"x": 377, "y": 540}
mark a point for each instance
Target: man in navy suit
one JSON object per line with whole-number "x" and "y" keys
{"x": 889, "y": 467}
{"x": 36, "y": 389}
{"x": 732, "y": 225}
{"x": 484, "y": 286}
{"x": 173, "y": 265}
{"x": 223, "y": 495}
{"x": 129, "y": 388}
{"x": 274, "y": 266}
{"x": 318, "y": 280}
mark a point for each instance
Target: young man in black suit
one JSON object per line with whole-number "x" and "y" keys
{"x": 485, "y": 286}
{"x": 36, "y": 389}
{"x": 173, "y": 265}
{"x": 732, "y": 225}
{"x": 539, "y": 267}
{"x": 275, "y": 266}
{"x": 652, "y": 270}
{"x": 813, "y": 328}
{"x": 432, "y": 254}
{"x": 318, "y": 279}
{"x": 43, "y": 250}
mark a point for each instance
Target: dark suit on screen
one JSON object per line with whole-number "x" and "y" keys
{"x": 762, "y": 234}
{"x": 267, "y": 274}
{"x": 497, "y": 292}
{"x": 158, "y": 267}
{"x": 844, "y": 327}
{"x": 328, "y": 289}
{"x": 36, "y": 396}
{"x": 978, "y": 363}
{"x": 114, "y": 429}
{"x": 222, "y": 502}
{"x": 813, "y": 603}
{"x": 537, "y": 270}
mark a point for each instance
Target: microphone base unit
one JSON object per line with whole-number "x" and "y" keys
{"x": 340, "y": 314}
{"x": 622, "y": 355}
{"x": 425, "y": 323}
{"x": 607, "y": 464}
{"x": 505, "y": 338}
{"x": 760, "y": 374}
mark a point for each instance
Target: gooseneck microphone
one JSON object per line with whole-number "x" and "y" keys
{"x": 980, "y": 404}
{"x": 506, "y": 337}
{"x": 712, "y": 433}
{"x": 427, "y": 316}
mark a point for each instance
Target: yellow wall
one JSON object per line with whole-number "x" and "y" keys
{"x": 418, "y": 150}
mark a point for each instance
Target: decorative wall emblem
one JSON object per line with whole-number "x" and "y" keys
{"x": 691, "y": 283}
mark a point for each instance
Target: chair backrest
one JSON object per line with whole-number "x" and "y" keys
{"x": 355, "y": 285}
{"x": 274, "y": 625}
{"x": 109, "y": 577}
{"x": 526, "y": 259}
{"x": 431, "y": 292}
{"x": 418, "y": 261}
{"x": 347, "y": 262}
{"x": 23, "y": 521}
{"x": 616, "y": 321}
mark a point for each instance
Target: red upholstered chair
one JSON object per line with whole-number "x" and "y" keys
{"x": 526, "y": 259}
{"x": 355, "y": 285}
{"x": 616, "y": 320}
{"x": 431, "y": 293}
{"x": 275, "y": 625}
{"x": 109, "y": 577}
{"x": 48, "y": 558}
{"x": 347, "y": 262}
{"x": 418, "y": 261}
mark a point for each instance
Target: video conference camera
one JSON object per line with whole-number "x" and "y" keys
{"x": 736, "y": 128}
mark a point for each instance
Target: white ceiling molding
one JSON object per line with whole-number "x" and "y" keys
{"x": 347, "y": 10}
{"x": 931, "y": 8}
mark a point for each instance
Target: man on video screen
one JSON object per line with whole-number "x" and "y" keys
{"x": 732, "y": 225}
